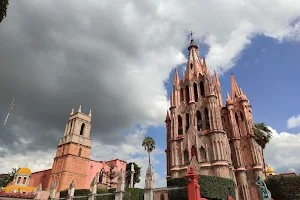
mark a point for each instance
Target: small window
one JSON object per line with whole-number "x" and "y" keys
{"x": 202, "y": 92}
{"x": 24, "y": 180}
{"x": 242, "y": 116}
{"x": 191, "y": 66}
{"x": 19, "y": 180}
{"x": 187, "y": 95}
{"x": 82, "y": 129}
{"x": 186, "y": 156}
{"x": 80, "y": 150}
{"x": 195, "y": 92}
{"x": 202, "y": 155}
{"x": 180, "y": 130}
{"x": 187, "y": 122}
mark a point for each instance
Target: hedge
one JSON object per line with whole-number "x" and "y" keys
{"x": 211, "y": 187}
{"x": 135, "y": 193}
{"x": 284, "y": 187}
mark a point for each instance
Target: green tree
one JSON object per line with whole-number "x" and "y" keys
{"x": 111, "y": 174}
{"x": 6, "y": 179}
{"x": 136, "y": 176}
{"x": 149, "y": 145}
{"x": 262, "y": 135}
{"x": 3, "y": 9}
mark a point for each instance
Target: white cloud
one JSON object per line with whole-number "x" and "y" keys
{"x": 282, "y": 153}
{"x": 293, "y": 122}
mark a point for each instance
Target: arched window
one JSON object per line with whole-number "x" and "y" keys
{"x": 237, "y": 121}
{"x": 186, "y": 156}
{"x": 63, "y": 149}
{"x": 199, "y": 121}
{"x": 19, "y": 180}
{"x": 195, "y": 92}
{"x": 187, "y": 122}
{"x": 24, "y": 180}
{"x": 162, "y": 197}
{"x": 202, "y": 155}
{"x": 187, "y": 95}
{"x": 236, "y": 118}
{"x": 242, "y": 116}
{"x": 79, "y": 152}
{"x": 180, "y": 130}
{"x": 181, "y": 95}
{"x": 202, "y": 92}
{"x": 194, "y": 152}
{"x": 206, "y": 118}
{"x": 191, "y": 66}
{"x": 82, "y": 129}
{"x": 101, "y": 176}
{"x": 70, "y": 127}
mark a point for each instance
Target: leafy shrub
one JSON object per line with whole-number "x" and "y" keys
{"x": 211, "y": 187}
{"x": 284, "y": 187}
{"x": 135, "y": 193}
{"x": 131, "y": 193}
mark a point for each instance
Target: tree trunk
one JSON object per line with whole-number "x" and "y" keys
{"x": 149, "y": 156}
{"x": 264, "y": 165}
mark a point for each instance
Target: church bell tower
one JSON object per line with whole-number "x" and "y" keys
{"x": 73, "y": 153}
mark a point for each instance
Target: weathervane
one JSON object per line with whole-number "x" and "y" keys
{"x": 192, "y": 34}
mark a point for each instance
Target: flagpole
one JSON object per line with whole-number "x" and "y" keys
{"x": 10, "y": 108}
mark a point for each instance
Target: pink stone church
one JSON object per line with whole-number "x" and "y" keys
{"x": 219, "y": 136}
{"x": 72, "y": 160}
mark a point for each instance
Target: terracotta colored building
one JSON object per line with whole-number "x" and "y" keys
{"x": 219, "y": 136}
{"x": 72, "y": 160}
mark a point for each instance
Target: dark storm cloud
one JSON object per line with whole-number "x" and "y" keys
{"x": 55, "y": 57}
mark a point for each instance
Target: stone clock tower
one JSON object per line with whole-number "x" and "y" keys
{"x": 73, "y": 152}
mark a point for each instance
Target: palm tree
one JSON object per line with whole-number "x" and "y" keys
{"x": 149, "y": 145}
{"x": 262, "y": 135}
{"x": 3, "y": 8}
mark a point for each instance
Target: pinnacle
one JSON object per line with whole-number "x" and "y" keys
{"x": 176, "y": 77}
{"x": 234, "y": 87}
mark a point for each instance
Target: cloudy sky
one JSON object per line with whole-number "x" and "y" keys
{"x": 117, "y": 58}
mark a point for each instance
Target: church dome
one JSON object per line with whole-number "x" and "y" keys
{"x": 24, "y": 171}
{"x": 270, "y": 170}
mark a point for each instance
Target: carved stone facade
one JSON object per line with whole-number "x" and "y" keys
{"x": 219, "y": 137}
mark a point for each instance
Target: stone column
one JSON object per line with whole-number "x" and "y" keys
{"x": 132, "y": 175}
{"x": 53, "y": 191}
{"x": 93, "y": 188}
{"x": 120, "y": 190}
{"x": 149, "y": 184}
{"x": 71, "y": 191}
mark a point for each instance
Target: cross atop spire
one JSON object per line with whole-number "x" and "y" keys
{"x": 192, "y": 35}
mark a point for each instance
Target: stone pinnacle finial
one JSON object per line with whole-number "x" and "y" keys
{"x": 72, "y": 112}
{"x": 90, "y": 113}
{"x": 176, "y": 78}
{"x": 79, "y": 109}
